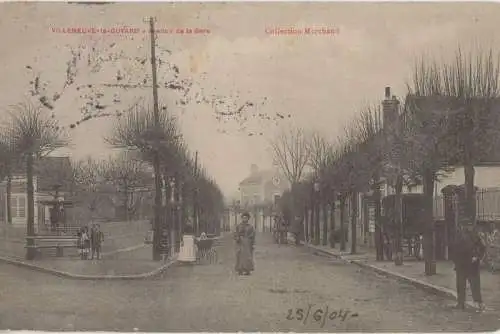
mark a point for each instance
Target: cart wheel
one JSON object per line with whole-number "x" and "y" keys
{"x": 212, "y": 256}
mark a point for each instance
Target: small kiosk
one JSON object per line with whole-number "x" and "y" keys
{"x": 57, "y": 213}
{"x": 187, "y": 252}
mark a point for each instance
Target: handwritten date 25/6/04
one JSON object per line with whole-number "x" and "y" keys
{"x": 318, "y": 314}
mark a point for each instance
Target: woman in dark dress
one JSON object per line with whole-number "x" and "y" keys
{"x": 245, "y": 242}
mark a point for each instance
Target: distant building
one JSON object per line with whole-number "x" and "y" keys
{"x": 259, "y": 190}
{"x": 261, "y": 187}
{"x": 52, "y": 176}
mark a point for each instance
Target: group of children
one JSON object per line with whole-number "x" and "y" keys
{"x": 90, "y": 242}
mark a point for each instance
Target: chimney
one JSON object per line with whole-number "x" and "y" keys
{"x": 390, "y": 107}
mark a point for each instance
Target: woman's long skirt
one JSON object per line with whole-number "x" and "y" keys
{"x": 244, "y": 256}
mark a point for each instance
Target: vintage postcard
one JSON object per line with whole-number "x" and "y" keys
{"x": 251, "y": 166}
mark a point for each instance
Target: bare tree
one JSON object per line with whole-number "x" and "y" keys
{"x": 100, "y": 96}
{"x": 89, "y": 177}
{"x": 472, "y": 83}
{"x": 371, "y": 147}
{"x": 33, "y": 135}
{"x": 9, "y": 161}
{"x": 319, "y": 149}
{"x": 427, "y": 141}
{"x": 128, "y": 176}
{"x": 137, "y": 131}
{"x": 291, "y": 153}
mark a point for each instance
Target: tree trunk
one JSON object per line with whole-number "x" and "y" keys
{"x": 312, "y": 231}
{"x": 429, "y": 246}
{"x": 378, "y": 220}
{"x": 332, "y": 223}
{"x": 195, "y": 212}
{"x": 468, "y": 154}
{"x": 125, "y": 203}
{"x": 184, "y": 213}
{"x": 317, "y": 228}
{"x": 30, "y": 223}
{"x": 9, "y": 197}
{"x": 342, "y": 222}
{"x": 325, "y": 224}
{"x": 306, "y": 224}
{"x": 398, "y": 220}
{"x": 354, "y": 217}
{"x": 157, "y": 208}
{"x": 470, "y": 193}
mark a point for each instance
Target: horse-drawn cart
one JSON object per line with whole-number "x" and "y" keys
{"x": 413, "y": 220}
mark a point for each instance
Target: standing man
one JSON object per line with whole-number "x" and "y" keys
{"x": 467, "y": 252}
{"x": 97, "y": 238}
{"x": 297, "y": 229}
{"x": 245, "y": 242}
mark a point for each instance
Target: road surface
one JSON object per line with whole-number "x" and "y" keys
{"x": 287, "y": 283}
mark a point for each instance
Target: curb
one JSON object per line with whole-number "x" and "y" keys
{"x": 63, "y": 274}
{"x": 437, "y": 290}
{"x": 124, "y": 250}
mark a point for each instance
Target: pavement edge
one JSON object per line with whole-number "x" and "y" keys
{"x": 63, "y": 274}
{"x": 437, "y": 290}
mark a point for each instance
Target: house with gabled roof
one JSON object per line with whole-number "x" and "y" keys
{"x": 261, "y": 186}
{"x": 53, "y": 178}
{"x": 260, "y": 189}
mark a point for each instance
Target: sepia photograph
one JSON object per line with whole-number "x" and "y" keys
{"x": 249, "y": 166}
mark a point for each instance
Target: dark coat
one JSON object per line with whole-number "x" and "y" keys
{"x": 466, "y": 246}
{"x": 97, "y": 237}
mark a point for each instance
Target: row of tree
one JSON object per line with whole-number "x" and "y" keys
{"x": 96, "y": 74}
{"x": 448, "y": 117}
{"x": 29, "y": 134}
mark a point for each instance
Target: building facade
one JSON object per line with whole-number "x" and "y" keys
{"x": 51, "y": 180}
{"x": 259, "y": 191}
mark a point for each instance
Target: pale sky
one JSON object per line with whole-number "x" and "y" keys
{"x": 321, "y": 81}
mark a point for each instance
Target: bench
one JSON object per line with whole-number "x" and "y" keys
{"x": 53, "y": 242}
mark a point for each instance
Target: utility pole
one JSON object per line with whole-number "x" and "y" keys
{"x": 195, "y": 196}
{"x": 156, "y": 157}
{"x": 393, "y": 124}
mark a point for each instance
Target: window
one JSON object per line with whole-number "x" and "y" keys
{"x": 18, "y": 206}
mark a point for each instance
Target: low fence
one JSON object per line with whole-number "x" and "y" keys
{"x": 488, "y": 214}
{"x": 487, "y": 205}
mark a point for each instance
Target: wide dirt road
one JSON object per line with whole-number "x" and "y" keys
{"x": 213, "y": 298}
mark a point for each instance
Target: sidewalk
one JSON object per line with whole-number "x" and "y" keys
{"x": 412, "y": 271}
{"x": 125, "y": 256}
{"x": 117, "y": 235}
{"x": 129, "y": 263}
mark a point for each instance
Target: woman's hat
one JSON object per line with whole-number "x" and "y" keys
{"x": 245, "y": 214}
